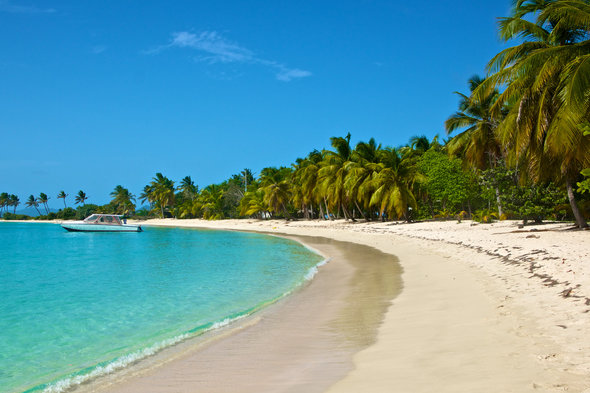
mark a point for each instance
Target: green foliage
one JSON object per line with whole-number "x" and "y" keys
{"x": 446, "y": 186}
{"x": 65, "y": 214}
{"x": 12, "y": 216}
{"x": 534, "y": 202}
{"x": 86, "y": 210}
{"x": 485, "y": 216}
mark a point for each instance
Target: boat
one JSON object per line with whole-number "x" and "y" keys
{"x": 101, "y": 223}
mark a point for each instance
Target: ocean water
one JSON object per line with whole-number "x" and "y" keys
{"x": 74, "y": 306}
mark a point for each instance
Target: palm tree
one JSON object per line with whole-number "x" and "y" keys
{"x": 43, "y": 199}
{"x": 478, "y": 143}
{"x": 253, "y": 204}
{"x": 188, "y": 188}
{"x": 81, "y": 197}
{"x": 305, "y": 180}
{"x": 14, "y": 201}
{"x": 546, "y": 81}
{"x": 211, "y": 198}
{"x": 276, "y": 187}
{"x": 63, "y": 196}
{"x": 147, "y": 195}
{"x": 332, "y": 175}
{"x": 4, "y": 197}
{"x": 391, "y": 187}
{"x": 32, "y": 201}
{"x": 363, "y": 164}
{"x": 162, "y": 191}
{"x": 123, "y": 200}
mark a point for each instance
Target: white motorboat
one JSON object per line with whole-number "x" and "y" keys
{"x": 100, "y": 223}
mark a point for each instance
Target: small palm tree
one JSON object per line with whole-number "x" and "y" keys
{"x": 3, "y": 201}
{"x": 188, "y": 188}
{"x": 63, "y": 196}
{"x": 81, "y": 197}
{"x": 43, "y": 199}
{"x": 123, "y": 200}
{"x": 162, "y": 191}
{"x": 33, "y": 202}
{"x": 14, "y": 201}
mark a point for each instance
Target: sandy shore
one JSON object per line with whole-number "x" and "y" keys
{"x": 485, "y": 308}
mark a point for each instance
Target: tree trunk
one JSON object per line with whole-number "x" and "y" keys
{"x": 580, "y": 221}
{"x": 344, "y": 212}
{"x": 322, "y": 215}
{"x": 360, "y": 210}
{"x": 499, "y": 202}
{"x": 327, "y": 210}
{"x": 162, "y": 210}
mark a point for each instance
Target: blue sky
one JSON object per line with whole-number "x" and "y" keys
{"x": 95, "y": 94}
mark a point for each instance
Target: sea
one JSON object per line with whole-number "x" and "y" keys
{"x": 75, "y": 306}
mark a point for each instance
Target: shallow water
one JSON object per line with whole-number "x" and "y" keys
{"x": 76, "y": 305}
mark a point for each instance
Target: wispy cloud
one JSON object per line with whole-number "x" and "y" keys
{"x": 98, "y": 49}
{"x": 213, "y": 48}
{"x": 7, "y": 6}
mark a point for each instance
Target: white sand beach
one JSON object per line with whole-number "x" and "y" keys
{"x": 484, "y": 307}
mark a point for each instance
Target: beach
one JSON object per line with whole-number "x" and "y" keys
{"x": 486, "y": 308}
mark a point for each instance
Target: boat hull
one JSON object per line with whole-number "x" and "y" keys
{"x": 82, "y": 227}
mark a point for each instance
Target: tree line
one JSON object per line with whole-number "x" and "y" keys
{"x": 518, "y": 147}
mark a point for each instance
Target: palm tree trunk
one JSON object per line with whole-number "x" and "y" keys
{"x": 162, "y": 210}
{"x": 499, "y": 202}
{"x": 580, "y": 221}
{"x": 322, "y": 215}
{"x": 344, "y": 212}
{"x": 327, "y": 210}
{"x": 360, "y": 210}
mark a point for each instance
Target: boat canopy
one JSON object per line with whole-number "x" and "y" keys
{"x": 112, "y": 219}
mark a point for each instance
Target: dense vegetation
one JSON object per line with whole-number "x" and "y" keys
{"x": 519, "y": 147}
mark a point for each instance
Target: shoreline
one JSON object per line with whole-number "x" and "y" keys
{"x": 274, "y": 349}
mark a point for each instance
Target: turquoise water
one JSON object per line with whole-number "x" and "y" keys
{"x": 77, "y": 305}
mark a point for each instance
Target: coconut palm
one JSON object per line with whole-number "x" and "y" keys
{"x": 211, "y": 198}
{"x": 546, "y": 80}
{"x": 305, "y": 180}
{"x": 332, "y": 175}
{"x": 275, "y": 183}
{"x": 33, "y": 202}
{"x": 43, "y": 199}
{"x": 188, "y": 188}
{"x": 478, "y": 144}
{"x": 123, "y": 200}
{"x": 80, "y": 197}
{"x": 147, "y": 195}
{"x": 14, "y": 201}
{"x": 390, "y": 187}
{"x": 4, "y": 198}
{"x": 63, "y": 196}
{"x": 253, "y": 204}
{"x": 162, "y": 192}
{"x": 363, "y": 164}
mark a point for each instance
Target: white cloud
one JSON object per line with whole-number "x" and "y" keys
{"x": 214, "y": 48}
{"x": 7, "y": 6}
{"x": 287, "y": 75}
{"x": 98, "y": 49}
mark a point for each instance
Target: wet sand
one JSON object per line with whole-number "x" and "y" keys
{"x": 304, "y": 343}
